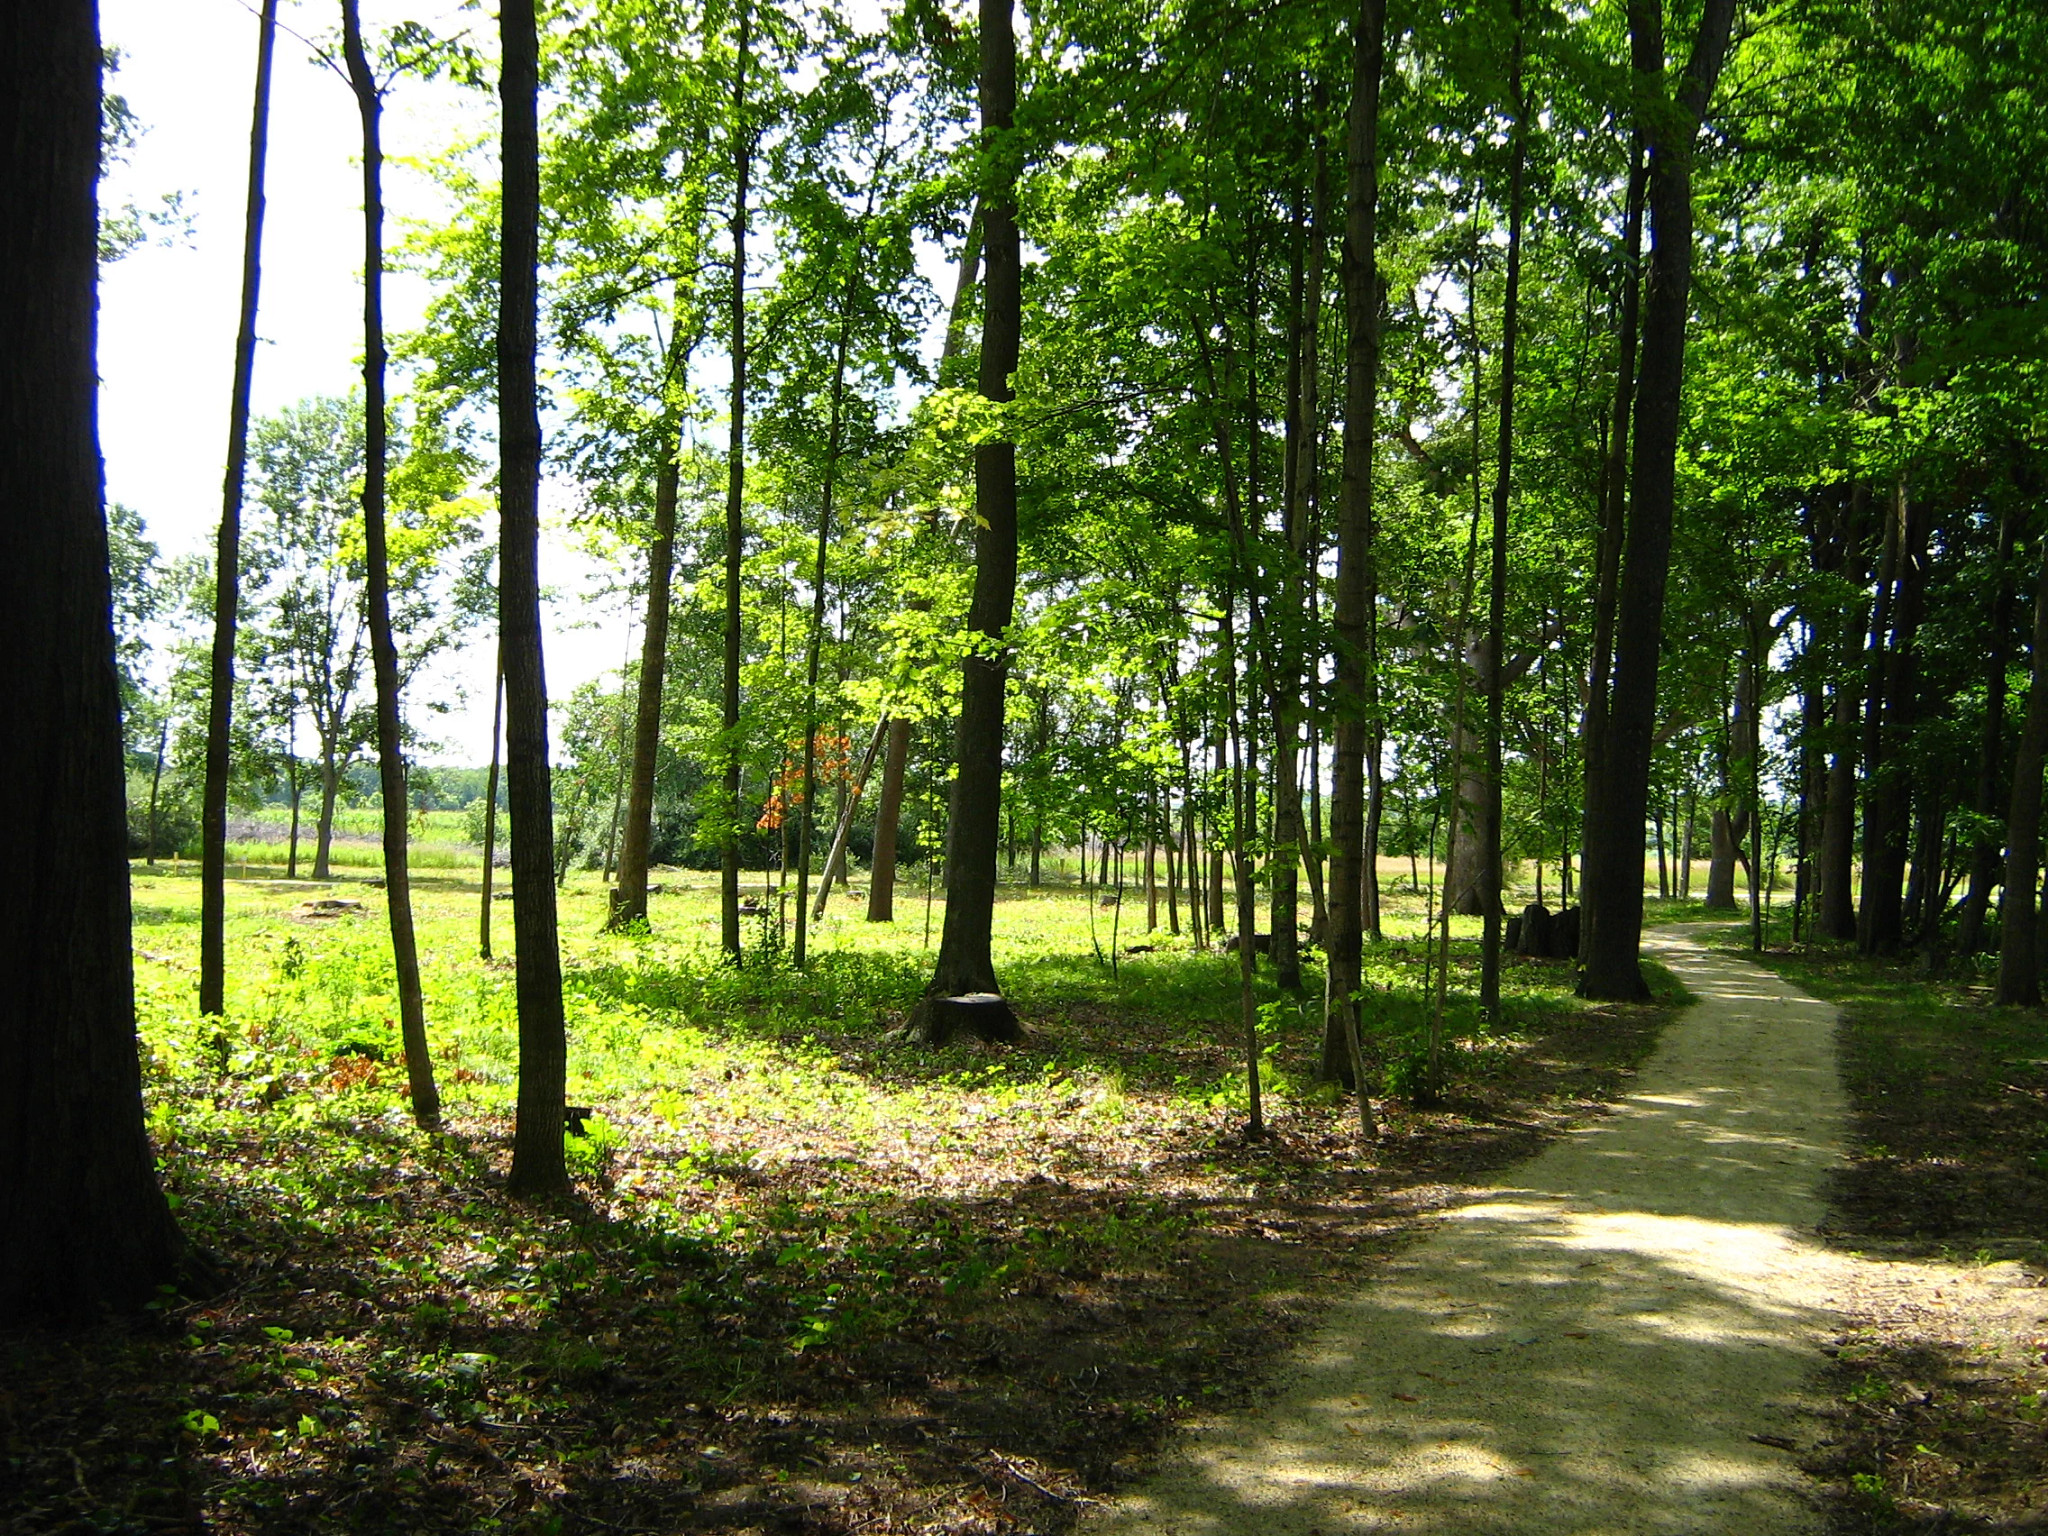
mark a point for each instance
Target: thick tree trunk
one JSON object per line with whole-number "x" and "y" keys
{"x": 1465, "y": 861}
{"x": 87, "y": 1227}
{"x": 965, "y": 964}
{"x": 1353, "y": 690}
{"x": 538, "y": 1167}
{"x": 735, "y": 500}
{"x": 2019, "y": 942}
{"x": 1725, "y": 836}
{"x": 1497, "y": 582}
{"x": 629, "y": 898}
{"x": 888, "y": 818}
{"x": 1613, "y": 524}
{"x": 227, "y": 564}
{"x": 412, "y": 1014}
{"x": 1613, "y": 924}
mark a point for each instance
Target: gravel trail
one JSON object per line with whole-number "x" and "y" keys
{"x": 1608, "y": 1344}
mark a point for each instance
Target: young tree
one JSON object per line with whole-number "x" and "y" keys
{"x": 86, "y": 1225}
{"x": 419, "y": 1064}
{"x": 227, "y": 580}
{"x": 538, "y": 1166}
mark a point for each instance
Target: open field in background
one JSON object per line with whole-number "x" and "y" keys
{"x": 815, "y": 1277}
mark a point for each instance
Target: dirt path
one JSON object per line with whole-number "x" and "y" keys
{"x": 1596, "y": 1347}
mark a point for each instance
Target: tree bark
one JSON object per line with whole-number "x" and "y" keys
{"x": 965, "y": 964}
{"x": 1613, "y": 924}
{"x": 1984, "y": 853}
{"x": 87, "y": 1227}
{"x": 629, "y": 897}
{"x": 1352, "y": 689}
{"x": 888, "y": 818}
{"x": 483, "y": 917}
{"x": 1613, "y": 520}
{"x": 1497, "y": 579}
{"x": 2019, "y": 941}
{"x": 227, "y": 568}
{"x": 538, "y": 1167}
{"x": 323, "y": 834}
{"x": 412, "y": 1015}
{"x": 735, "y": 500}
{"x": 1888, "y": 726}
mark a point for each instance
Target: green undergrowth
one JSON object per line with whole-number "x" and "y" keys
{"x": 811, "y": 1272}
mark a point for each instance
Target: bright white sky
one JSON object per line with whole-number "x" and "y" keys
{"x": 167, "y": 315}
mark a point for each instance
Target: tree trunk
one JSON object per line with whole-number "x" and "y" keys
{"x": 419, "y": 1065}
{"x": 2019, "y": 941}
{"x": 629, "y": 898}
{"x": 87, "y": 1227}
{"x": 323, "y": 834}
{"x": 965, "y": 964}
{"x": 227, "y": 567}
{"x": 1888, "y": 727}
{"x": 1613, "y": 524}
{"x": 1352, "y": 688}
{"x": 735, "y": 501}
{"x": 1613, "y": 923}
{"x": 1836, "y": 867}
{"x": 483, "y": 918}
{"x": 156, "y": 780}
{"x": 888, "y": 817}
{"x": 538, "y": 1168}
{"x": 1497, "y": 583}
{"x": 1218, "y": 919}
{"x": 1984, "y": 852}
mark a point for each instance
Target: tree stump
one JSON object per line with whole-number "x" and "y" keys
{"x": 1536, "y": 936}
{"x": 985, "y": 1015}
{"x": 1564, "y": 935}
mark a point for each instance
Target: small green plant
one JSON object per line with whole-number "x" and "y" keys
{"x": 590, "y": 1153}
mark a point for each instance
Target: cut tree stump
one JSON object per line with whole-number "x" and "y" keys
{"x": 985, "y": 1015}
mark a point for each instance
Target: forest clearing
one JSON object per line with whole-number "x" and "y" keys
{"x": 1224, "y": 767}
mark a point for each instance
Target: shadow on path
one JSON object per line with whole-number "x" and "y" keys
{"x": 1591, "y": 1349}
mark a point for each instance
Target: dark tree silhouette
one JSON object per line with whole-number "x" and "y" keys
{"x": 538, "y": 1168}
{"x": 405, "y": 951}
{"x": 1669, "y": 121}
{"x": 227, "y": 577}
{"x": 965, "y": 964}
{"x": 85, "y": 1225}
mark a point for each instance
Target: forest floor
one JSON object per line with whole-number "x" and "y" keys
{"x": 1940, "y": 1395}
{"x": 814, "y": 1279}
{"x": 1622, "y": 1335}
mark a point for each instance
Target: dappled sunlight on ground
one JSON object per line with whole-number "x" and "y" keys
{"x": 1595, "y": 1348}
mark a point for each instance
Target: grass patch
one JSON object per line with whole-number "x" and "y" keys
{"x": 813, "y": 1279}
